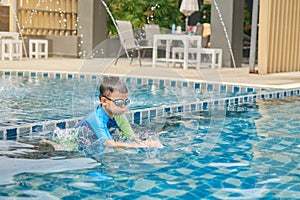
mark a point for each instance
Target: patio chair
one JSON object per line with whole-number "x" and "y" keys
{"x": 128, "y": 42}
{"x": 150, "y": 31}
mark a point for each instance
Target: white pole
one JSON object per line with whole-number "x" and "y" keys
{"x": 252, "y": 59}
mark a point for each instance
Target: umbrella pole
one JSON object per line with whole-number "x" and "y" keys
{"x": 186, "y": 23}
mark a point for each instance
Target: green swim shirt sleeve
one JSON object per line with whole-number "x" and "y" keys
{"x": 124, "y": 125}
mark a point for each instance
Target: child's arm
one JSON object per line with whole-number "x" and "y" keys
{"x": 141, "y": 144}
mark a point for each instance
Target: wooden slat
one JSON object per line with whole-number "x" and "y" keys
{"x": 279, "y": 42}
{"x": 297, "y": 40}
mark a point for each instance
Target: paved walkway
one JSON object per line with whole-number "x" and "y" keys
{"x": 227, "y": 75}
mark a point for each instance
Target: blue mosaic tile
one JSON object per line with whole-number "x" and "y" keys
{"x": 161, "y": 82}
{"x": 139, "y": 81}
{"x": 61, "y": 125}
{"x": 1, "y": 135}
{"x": 11, "y": 134}
{"x": 71, "y": 124}
{"x": 197, "y": 85}
{"x": 33, "y": 74}
{"x": 7, "y": 73}
{"x": 216, "y": 103}
{"x": 270, "y": 95}
{"x": 145, "y": 116}
{"x": 223, "y": 88}
{"x": 128, "y": 80}
{"x": 152, "y": 114}
{"x": 184, "y": 84}
{"x": 150, "y": 82}
{"x": 180, "y": 109}
{"x": 277, "y": 95}
{"x": 137, "y": 118}
{"x": 205, "y": 105}
{"x": 241, "y": 100}
{"x": 186, "y": 108}
{"x": 210, "y": 87}
{"x": 193, "y": 107}
{"x": 82, "y": 76}
{"x": 262, "y": 96}
{"x": 292, "y": 93}
{"x": 236, "y": 100}
{"x": 37, "y": 128}
{"x": 245, "y": 99}
{"x": 173, "y": 83}
{"x": 159, "y": 112}
{"x": 70, "y": 76}
{"x": 24, "y": 130}
{"x": 45, "y": 75}
{"x": 20, "y": 74}
{"x": 94, "y": 77}
{"x": 250, "y": 89}
{"x": 236, "y": 89}
{"x": 57, "y": 75}
{"x": 167, "y": 109}
{"x": 174, "y": 109}
{"x": 226, "y": 102}
{"x": 284, "y": 93}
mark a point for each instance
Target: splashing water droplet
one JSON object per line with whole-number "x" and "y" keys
{"x": 225, "y": 31}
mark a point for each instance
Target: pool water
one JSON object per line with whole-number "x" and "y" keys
{"x": 255, "y": 156}
{"x": 37, "y": 99}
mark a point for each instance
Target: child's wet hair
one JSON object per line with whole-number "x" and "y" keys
{"x": 112, "y": 84}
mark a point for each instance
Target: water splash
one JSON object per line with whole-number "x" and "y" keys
{"x": 66, "y": 137}
{"x": 115, "y": 24}
{"x": 110, "y": 15}
{"x": 81, "y": 138}
{"x": 225, "y": 31}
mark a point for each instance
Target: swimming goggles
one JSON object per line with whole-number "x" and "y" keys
{"x": 118, "y": 102}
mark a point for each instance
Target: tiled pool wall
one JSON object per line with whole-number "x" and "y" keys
{"x": 245, "y": 94}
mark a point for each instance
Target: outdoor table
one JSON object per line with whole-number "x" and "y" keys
{"x": 187, "y": 40}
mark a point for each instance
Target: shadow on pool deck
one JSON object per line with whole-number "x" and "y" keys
{"x": 239, "y": 76}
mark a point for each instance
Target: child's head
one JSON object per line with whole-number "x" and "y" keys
{"x": 114, "y": 96}
{"x": 112, "y": 84}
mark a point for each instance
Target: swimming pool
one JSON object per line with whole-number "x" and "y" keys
{"x": 31, "y": 98}
{"x": 254, "y": 157}
{"x": 249, "y": 151}
{"x": 34, "y": 97}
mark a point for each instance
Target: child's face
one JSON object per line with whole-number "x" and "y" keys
{"x": 110, "y": 107}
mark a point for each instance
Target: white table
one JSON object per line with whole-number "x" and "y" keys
{"x": 14, "y": 35}
{"x": 185, "y": 39}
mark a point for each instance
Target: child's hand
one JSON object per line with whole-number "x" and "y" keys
{"x": 153, "y": 143}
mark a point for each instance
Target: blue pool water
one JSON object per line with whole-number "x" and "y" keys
{"x": 34, "y": 99}
{"x": 254, "y": 156}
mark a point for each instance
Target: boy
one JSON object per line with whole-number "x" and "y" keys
{"x": 108, "y": 124}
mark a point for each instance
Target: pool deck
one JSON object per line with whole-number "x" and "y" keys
{"x": 239, "y": 76}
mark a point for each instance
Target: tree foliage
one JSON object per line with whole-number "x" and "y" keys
{"x": 140, "y": 12}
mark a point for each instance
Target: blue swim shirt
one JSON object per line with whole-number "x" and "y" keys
{"x": 103, "y": 126}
